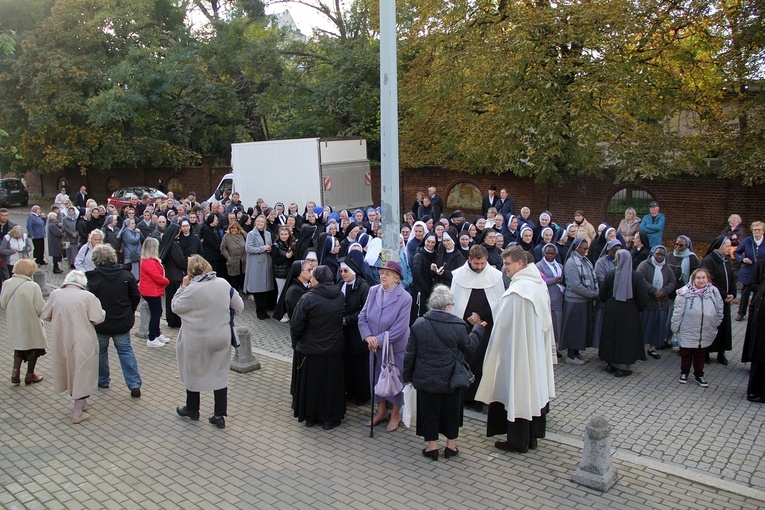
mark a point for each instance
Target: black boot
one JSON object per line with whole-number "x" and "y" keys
{"x": 56, "y": 269}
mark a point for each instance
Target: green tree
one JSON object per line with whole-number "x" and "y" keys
{"x": 541, "y": 88}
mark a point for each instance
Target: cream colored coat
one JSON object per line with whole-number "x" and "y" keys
{"x": 22, "y": 300}
{"x": 518, "y": 367}
{"x": 204, "y": 341}
{"x": 72, "y": 312}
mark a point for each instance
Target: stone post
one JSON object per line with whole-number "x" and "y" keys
{"x": 596, "y": 470}
{"x": 143, "y": 328}
{"x": 244, "y": 361}
{"x": 39, "y": 279}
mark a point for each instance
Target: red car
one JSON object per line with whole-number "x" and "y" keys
{"x": 122, "y": 196}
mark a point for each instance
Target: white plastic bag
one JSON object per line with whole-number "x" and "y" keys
{"x": 409, "y": 411}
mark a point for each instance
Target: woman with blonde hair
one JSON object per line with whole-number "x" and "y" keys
{"x": 629, "y": 226}
{"x": 21, "y": 298}
{"x": 152, "y": 285}
{"x": 232, "y": 247}
{"x": 15, "y": 246}
{"x": 203, "y": 303}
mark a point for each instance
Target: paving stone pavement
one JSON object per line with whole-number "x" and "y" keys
{"x": 674, "y": 446}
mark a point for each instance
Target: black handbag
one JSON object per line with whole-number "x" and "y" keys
{"x": 462, "y": 377}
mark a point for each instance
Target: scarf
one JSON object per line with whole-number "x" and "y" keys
{"x": 658, "y": 278}
{"x": 204, "y": 277}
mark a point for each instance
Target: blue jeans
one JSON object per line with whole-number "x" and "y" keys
{"x": 127, "y": 360}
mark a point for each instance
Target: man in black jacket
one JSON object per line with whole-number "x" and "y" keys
{"x": 117, "y": 290}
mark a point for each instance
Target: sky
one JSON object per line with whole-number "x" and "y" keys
{"x": 305, "y": 18}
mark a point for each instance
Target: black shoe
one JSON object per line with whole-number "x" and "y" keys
{"x": 740, "y": 318}
{"x": 432, "y": 454}
{"x": 218, "y": 421}
{"x": 184, "y": 412}
{"x": 310, "y": 423}
{"x": 622, "y": 373}
{"x": 533, "y": 444}
{"x": 756, "y": 399}
{"x": 505, "y": 446}
{"x": 448, "y": 452}
{"x": 722, "y": 359}
{"x": 654, "y": 354}
{"x": 610, "y": 369}
{"x": 558, "y": 354}
{"x": 135, "y": 392}
{"x": 43, "y": 263}
{"x": 329, "y": 425}
{"x": 56, "y": 270}
{"x": 104, "y": 386}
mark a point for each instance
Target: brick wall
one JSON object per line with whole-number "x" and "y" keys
{"x": 695, "y": 206}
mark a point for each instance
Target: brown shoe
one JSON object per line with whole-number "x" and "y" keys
{"x": 32, "y": 379}
{"x": 503, "y": 445}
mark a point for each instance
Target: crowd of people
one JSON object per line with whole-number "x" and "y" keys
{"x": 505, "y": 296}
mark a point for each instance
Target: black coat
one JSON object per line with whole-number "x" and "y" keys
{"x": 279, "y": 259}
{"x": 622, "y": 338}
{"x": 754, "y": 338}
{"x": 191, "y": 245}
{"x": 428, "y": 362}
{"x": 117, "y": 290}
{"x": 422, "y": 275}
{"x": 316, "y": 324}
{"x": 211, "y": 239}
{"x": 450, "y": 262}
{"x": 723, "y": 279}
{"x": 110, "y": 237}
{"x": 175, "y": 264}
{"x": 355, "y": 297}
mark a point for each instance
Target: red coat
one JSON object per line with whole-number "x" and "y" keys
{"x": 152, "y": 282}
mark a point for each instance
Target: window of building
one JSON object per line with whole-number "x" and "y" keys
{"x": 634, "y": 197}
{"x": 176, "y": 186}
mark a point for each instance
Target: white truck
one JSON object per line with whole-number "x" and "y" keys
{"x": 328, "y": 171}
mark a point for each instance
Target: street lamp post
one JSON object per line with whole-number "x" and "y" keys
{"x": 389, "y": 182}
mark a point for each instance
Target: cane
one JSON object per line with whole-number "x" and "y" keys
{"x": 372, "y": 392}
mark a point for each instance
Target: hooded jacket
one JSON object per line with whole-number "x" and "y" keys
{"x": 316, "y": 325}
{"x": 117, "y": 291}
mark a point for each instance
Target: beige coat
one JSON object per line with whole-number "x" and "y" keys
{"x": 232, "y": 249}
{"x": 22, "y": 300}
{"x": 204, "y": 341}
{"x": 73, "y": 311}
{"x": 585, "y": 230}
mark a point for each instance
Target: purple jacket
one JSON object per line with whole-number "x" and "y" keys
{"x": 387, "y": 311}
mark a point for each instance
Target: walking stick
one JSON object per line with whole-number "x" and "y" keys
{"x": 372, "y": 392}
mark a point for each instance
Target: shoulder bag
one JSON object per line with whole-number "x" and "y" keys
{"x": 462, "y": 376}
{"x": 389, "y": 382}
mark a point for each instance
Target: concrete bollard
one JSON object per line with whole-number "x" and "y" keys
{"x": 244, "y": 361}
{"x": 143, "y": 328}
{"x": 39, "y": 279}
{"x": 596, "y": 470}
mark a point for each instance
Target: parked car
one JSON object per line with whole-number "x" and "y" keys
{"x": 122, "y": 196}
{"x": 13, "y": 191}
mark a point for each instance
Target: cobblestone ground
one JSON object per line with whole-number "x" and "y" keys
{"x": 674, "y": 446}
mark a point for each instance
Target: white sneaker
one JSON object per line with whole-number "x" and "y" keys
{"x": 285, "y": 319}
{"x": 154, "y": 343}
{"x": 163, "y": 339}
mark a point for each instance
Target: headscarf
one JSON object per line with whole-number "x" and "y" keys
{"x": 374, "y": 248}
{"x": 658, "y": 279}
{"x": 715, "y": 245}
{"x": 323, "y": 274}
{"x": 685, "y": 259}
{"x": 304, "y": 240}
{"x": 623, "y": 278}
{"x": 168, "y": 238}
{"x": 281, "y": 305}
{"x": 542, "y": 236}
{"x": 357, "y": 257}
{"x": 524, "y": 245}
{"x": 608, "y": 247}
{"x": 425, "y": 238}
